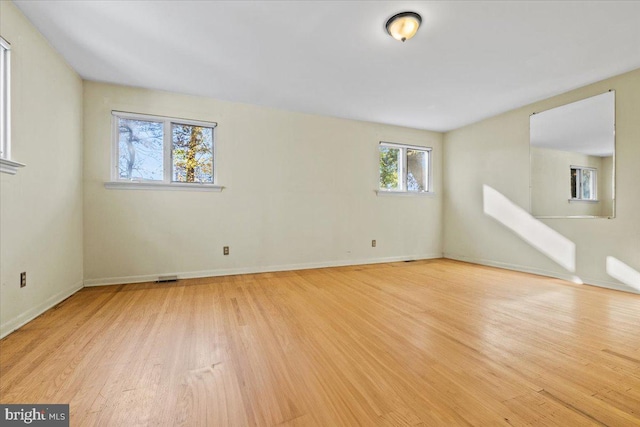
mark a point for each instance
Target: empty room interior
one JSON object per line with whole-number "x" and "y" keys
{"x": 313, "y": 213}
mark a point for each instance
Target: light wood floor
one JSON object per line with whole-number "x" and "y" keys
{"x": 423, "y": 343}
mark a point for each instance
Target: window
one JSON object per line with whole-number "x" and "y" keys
{"x": 6, "y": 164}
{"x": 5, "y": 149}
{"x": 584, "y": 183}
{"x": 161, "y": 150}
{"x": 404, "y": 168}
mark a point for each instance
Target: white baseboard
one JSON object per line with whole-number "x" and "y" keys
{"x": 539, "y": 271}
{"x": 251, "y": 270}
{"x": 24, "y": 318}
{"x": 12, "y": 324}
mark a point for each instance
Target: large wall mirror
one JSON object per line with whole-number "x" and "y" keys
{"x": 573, "y": 159}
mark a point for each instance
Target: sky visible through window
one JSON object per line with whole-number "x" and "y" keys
{"x": 142, "y": 151}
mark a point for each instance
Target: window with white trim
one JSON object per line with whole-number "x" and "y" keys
{"x": 584, "y": 183}
{"x": 7, "y": 165}
{"x": 162, "y": 150}
{"x": 405, "y": 168}
{"x": 5, "y": 105}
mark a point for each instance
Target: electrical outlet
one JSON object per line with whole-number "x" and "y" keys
{"x": 23, "y": 279}
{"x": 373, "y": 243}
{"x": 225, "y": 250}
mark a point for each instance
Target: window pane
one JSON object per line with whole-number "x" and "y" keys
{"x": 389, "y": 168}
{"x": 140, "y": 149}
{"x": 4, "y": 99}
{"x": 417, "y": 171}
{"x": 574, "y": 183}
{"x": 587, "y": 181}
{"x": 192, "y": 153}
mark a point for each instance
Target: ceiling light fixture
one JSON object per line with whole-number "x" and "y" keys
{"x": 404, "y": 25}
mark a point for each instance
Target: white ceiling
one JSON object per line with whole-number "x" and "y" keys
{"x": 586, "y": 126}
{"x": 469, "y": 61}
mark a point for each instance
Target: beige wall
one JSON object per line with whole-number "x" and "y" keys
{"x": 41, "y": 206}
{"x": 495, "y": 152}
{"x": 551, "y": 184}
{"x": 299, "y": 192}
{"x": 606, "y": 187}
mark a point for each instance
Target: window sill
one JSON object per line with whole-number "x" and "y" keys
{"x": 174, "y": 186}
{"x": 583, "y": 201}
{"x": 405, "y": 193}
{"x": 9, "y": 166}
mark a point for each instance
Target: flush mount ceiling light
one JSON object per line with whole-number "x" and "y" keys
{"x": 404, "y": 25}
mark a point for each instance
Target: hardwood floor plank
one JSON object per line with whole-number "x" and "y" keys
{"x": 433, "y": 343}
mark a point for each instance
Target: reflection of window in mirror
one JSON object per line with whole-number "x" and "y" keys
{"x": 584, "y": 183}
{"x": 578, "y": 138}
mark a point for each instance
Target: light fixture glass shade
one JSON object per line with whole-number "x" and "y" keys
{"x": 404, "y": 25}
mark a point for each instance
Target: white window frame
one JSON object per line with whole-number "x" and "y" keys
{"x": 6, "y": 164}
{"x": 166, "y": 183}
{"x": 594, "y": 189}
{"x": 402, "y": 170}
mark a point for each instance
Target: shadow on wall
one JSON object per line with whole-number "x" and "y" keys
{"x": 542, "y": 237}
{"x": 548, "y": 241}
{"x": 622, "y": 272}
